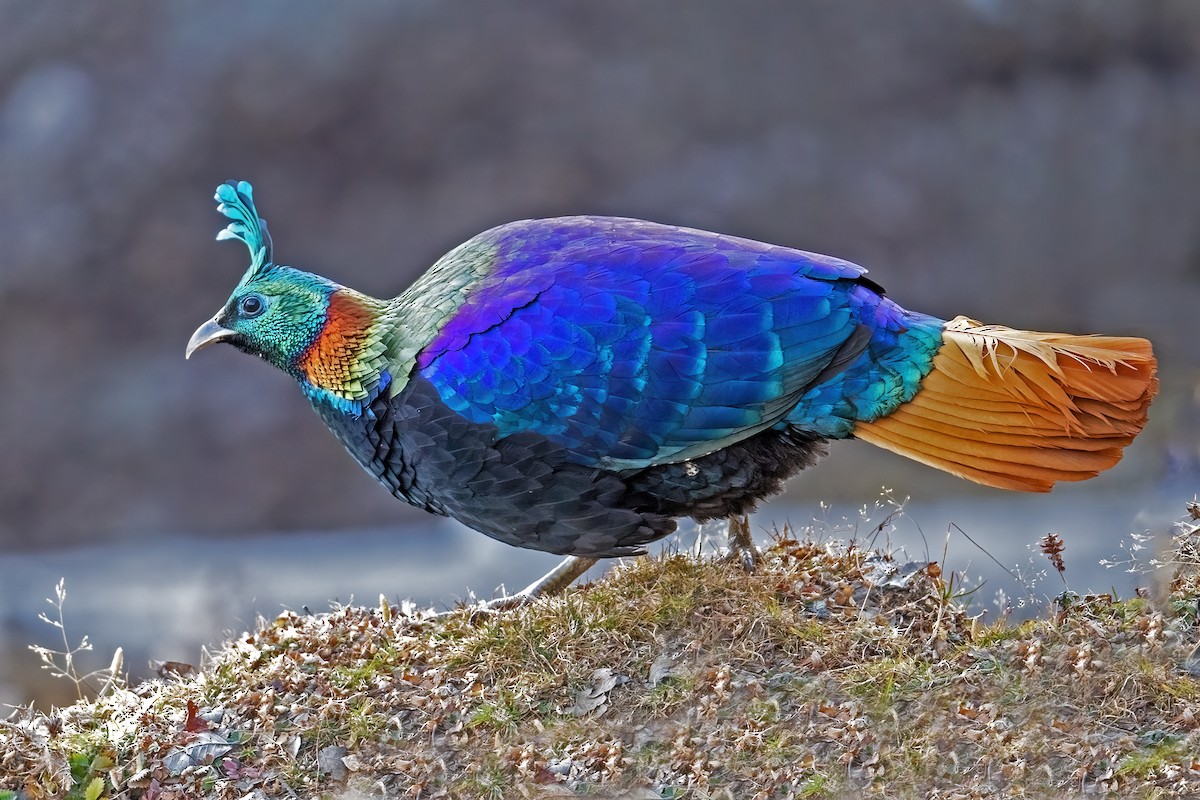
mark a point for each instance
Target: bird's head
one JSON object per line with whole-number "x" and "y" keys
{"x": 275, "y": 312}
{"x": 330, "y": 338}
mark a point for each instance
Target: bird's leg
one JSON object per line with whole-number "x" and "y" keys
{"x": 559, "y": 578}
{"x": 741, "y": 543}
{"x": 551, "y": 583}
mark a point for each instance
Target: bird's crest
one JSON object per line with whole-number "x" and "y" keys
{"x": 235, "y": 199}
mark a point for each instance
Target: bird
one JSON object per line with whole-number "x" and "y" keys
{"x": 577, "y": 384}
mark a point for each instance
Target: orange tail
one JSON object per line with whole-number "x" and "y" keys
{"x": 1021, "y": 410}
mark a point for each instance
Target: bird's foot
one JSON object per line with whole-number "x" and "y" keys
{"x": 741, "y": 544}
{"x": 500, "y": 604}
{"x": 747, "y": 559}
{"x": 553, "y": 582}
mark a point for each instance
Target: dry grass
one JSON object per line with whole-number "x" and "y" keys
{"x": 831, "y": 672}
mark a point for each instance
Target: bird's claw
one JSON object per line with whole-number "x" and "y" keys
{"x": 741, "y": 544}
{"x": 748, "y": 559}
{"x": 500, "y": 604}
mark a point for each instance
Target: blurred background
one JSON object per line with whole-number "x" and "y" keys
{"x": 1029, "y": 163}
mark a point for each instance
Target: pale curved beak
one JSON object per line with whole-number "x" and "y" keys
{"x": 210, "y": 332}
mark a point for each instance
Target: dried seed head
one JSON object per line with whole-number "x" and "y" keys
{"x": 1052, "y": 545}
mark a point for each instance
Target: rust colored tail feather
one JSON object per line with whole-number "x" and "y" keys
{"x": 1020, "y": 409}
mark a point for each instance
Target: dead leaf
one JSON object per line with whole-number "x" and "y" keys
{"x": 194, "y": 723}
{"x": 662, "y": 669}
{"x": 204, "y": 748}
{"x": 330, "y": 761}
{"x": 588, "y": 700}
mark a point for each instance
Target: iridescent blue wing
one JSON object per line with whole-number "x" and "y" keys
{"x": 634, "y": 344}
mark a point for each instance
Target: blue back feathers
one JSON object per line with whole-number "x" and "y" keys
{"x": 634, "y": 343}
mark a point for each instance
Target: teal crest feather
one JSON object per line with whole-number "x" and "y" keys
{"x": 235, "y": 199}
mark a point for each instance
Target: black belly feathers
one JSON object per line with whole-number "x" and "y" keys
{"x": 524, "y": 490}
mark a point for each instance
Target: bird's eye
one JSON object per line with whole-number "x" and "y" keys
{"x": 251, "y": 305}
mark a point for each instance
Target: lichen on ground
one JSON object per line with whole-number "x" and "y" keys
{"x": 832, "y": 671}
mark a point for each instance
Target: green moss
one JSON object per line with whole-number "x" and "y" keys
{"x": 887, "y": 681}
{"x": 487, "y": 780}
{"x": 999, "y": 633}
{"x": 1146, "y": 763}
{"x": 668, "y": 695}
{"x": 780, "y": 747}
{"x": 363, "y": 673}
{"x": 366, "y": 721}
{"x": 502, "y": 712}
{"x": 815, "y": 786}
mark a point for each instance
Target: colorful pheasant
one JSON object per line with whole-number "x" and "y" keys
{"x": 575, "y": 384}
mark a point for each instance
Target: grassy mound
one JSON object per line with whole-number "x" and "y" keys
{"x": 830, "y": 672}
